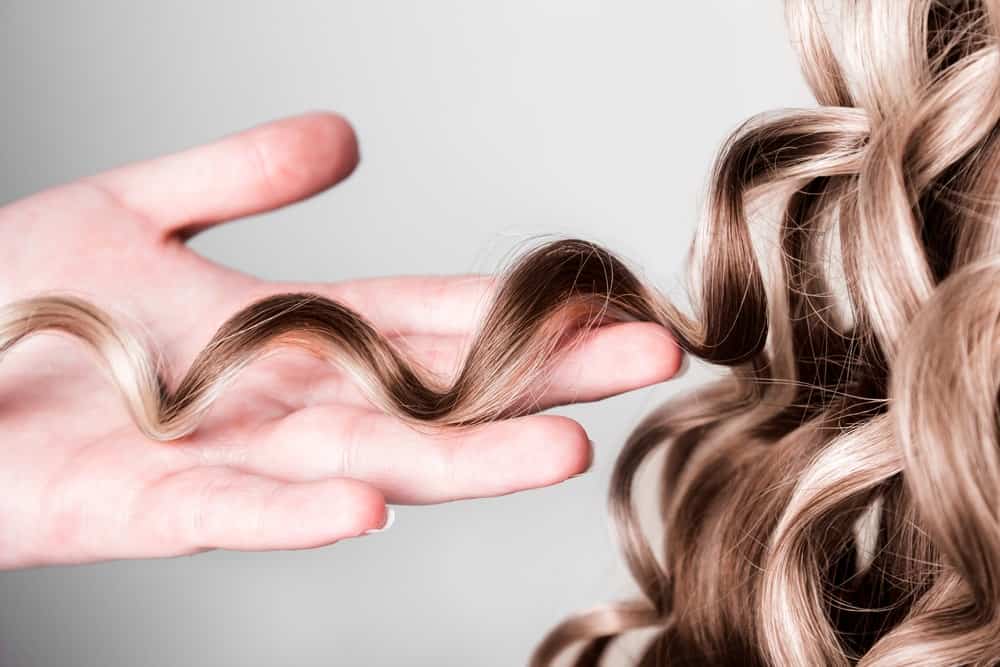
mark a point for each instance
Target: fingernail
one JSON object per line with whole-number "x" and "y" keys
{"x": 390, "y": 518}
{"x": 590, "y": 464}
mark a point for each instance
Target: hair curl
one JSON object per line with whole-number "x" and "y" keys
{"x": 833, "y": 499}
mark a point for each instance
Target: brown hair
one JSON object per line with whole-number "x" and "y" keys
{"x": 833, "y": 499}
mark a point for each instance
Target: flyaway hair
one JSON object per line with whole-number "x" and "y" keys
{"x": 834, "y": 499}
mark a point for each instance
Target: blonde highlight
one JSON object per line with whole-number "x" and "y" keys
{"x": 833, "y": 499}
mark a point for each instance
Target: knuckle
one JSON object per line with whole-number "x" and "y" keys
{"x": 356, "y": 431}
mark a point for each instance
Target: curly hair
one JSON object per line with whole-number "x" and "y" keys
{"x": 833, "y": 499}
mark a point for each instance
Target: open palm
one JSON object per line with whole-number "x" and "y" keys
{"x": 292, "y": 456}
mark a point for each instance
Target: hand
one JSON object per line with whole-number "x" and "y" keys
{"x": 291, "y": 456}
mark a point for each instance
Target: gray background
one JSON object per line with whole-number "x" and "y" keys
{"x": 482, "y": 123}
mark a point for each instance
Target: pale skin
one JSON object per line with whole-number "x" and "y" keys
{"x": 292, "y": 456}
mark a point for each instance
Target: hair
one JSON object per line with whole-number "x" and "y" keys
{"x": 833, "y": 499}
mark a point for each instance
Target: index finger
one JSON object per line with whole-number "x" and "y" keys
{"x": 257, "y": 170}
